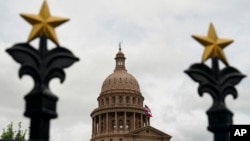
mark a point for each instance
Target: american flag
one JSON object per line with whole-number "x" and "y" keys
{"x": 148, "y": 111}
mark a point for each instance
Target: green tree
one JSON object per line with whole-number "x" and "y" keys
{"x": 9, "y": 133}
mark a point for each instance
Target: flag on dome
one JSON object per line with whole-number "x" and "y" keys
{"x": 148, "y": 111}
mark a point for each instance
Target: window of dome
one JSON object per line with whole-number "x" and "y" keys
{"x": 120, "y": 63}
{"x": 128, "y": 124}
{"x": 107, "y": 100}
{"x": 133, "y": 100}
{"x": 127, "y": 100}
{"x": 120, "y": 99}
{"x": 113, "y": 124}
{"x": 102, "y": 102}
{"x": 120, "y": 124}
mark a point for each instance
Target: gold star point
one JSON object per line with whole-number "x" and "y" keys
{"x": 213, "y": 45}
{"x": 43, "y": 24}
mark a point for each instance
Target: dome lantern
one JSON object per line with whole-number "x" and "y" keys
{"x": 120, "y": 60}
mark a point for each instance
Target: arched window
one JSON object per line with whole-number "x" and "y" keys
{"x": 139, "y": 124}
{"x": 102, "y": 126}
{"x": 107, "y": 100}
{"x": 120, "y": 99}
{"x": 102, "y": 102}
{"x": 127, "y": 100}
{"x": 128, "y": 125}
{"x": 113, "y": 99}
{"x": 120, "y": 125}
{"x": 113, "y": 125}
{"x": 133, "y": 100}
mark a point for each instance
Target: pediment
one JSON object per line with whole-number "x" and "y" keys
{"x": 149, "y": 131}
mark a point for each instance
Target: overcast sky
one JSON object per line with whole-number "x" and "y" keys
{"x": 157, "y": 42}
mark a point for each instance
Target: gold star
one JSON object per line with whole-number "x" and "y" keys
{"x": 213, "y": 45}
{"x": 43, "y": 24}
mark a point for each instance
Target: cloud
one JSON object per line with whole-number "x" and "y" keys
{"x": 158, "y": 45}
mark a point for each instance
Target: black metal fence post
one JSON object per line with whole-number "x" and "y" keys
{"x": 42, "y": 65}
{"x": 217, "y": 83}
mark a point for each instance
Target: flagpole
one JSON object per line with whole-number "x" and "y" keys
{"x": 148, "y": 121}
{"x": 148, "y": 115}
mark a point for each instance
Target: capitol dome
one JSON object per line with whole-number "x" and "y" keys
{"x": 120, "y": 79}
{"x": 121, "y": 114}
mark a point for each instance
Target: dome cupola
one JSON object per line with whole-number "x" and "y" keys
{"x": 120, "y": 61}
{"x": 120, "y": 80}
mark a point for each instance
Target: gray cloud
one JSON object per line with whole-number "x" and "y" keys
{"x": 158, "y": 45}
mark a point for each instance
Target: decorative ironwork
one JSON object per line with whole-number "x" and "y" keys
{"x": 42, "y": 65}
{"x": 217, "y": 83}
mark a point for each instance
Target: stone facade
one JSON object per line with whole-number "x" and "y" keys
{"x": 120, "y": 115}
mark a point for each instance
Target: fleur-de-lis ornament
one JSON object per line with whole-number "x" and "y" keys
{"x": 42, "y": 65}
{"x": 217, "y": 83}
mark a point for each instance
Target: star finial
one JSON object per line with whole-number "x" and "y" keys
{"x": 213, "y": 45}
{"x": 43, "y": 24}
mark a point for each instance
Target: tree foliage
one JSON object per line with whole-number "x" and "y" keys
{"x": 9, "y": 133}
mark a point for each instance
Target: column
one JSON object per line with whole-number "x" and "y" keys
{"x": 99, "y": 124}
{"x": 133, "y": 121}
{"x": 94, "y": 125}
{"x": 116, "y": 122}
{"x": 107, "y": 123}
{"x": 141, "y": 120}
{"x": 125, "y": 121}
